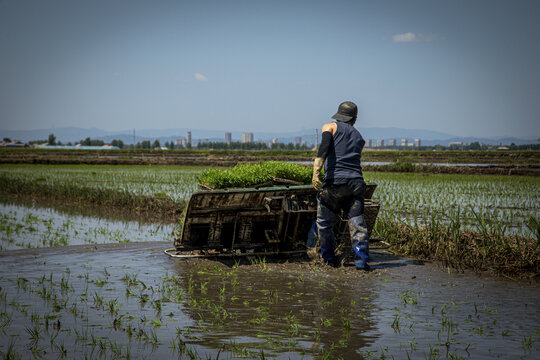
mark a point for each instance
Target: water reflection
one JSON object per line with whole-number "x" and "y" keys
{"x": 277, "y": 307}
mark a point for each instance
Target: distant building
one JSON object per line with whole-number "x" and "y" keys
{"x": 274, "y": 141}
{"x": 368, "y": 143}
{"x": 380, "y": 143}
{"x": 228, "y": 138}
{"x": 178, "y": 142}
{"x": 188, "y": 138}
{"x": 247, "y": 138}
{"x": 392, "y": 142}
{"x": 404, "y": 142}
{"x": 417, "y": 143}
{"x": 297, "y": 140}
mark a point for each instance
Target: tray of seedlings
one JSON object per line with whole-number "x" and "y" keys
{"x": 255, "y": 209}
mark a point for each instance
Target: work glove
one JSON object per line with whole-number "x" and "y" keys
{"x": 317, "y": 166}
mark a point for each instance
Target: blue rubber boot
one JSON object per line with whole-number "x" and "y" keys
{"x": 361, "y": 254}
{"x": 359, "y": 240}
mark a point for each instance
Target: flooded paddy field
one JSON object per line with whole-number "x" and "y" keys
{"x": 130, "y": 300}
{"x": 118, "y": 296}
{"x": 174, "y": 182}
{"x": 484, "y": 203}
{"x": 507, "y": 205}
{"x": 33, "y": 226}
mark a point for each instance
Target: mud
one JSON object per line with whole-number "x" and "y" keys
{"x": 131, "y": 300}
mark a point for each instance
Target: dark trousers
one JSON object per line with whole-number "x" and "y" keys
{"x": 333, "y": 199}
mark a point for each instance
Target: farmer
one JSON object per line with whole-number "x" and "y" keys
{"x": 343, "y": 187}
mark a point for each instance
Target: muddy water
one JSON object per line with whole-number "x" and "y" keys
{"x": 131, "y": 300}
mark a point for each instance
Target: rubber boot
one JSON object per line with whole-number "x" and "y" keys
{"x": 359, "y": 240}
{"x": 326, "y": 241}
{"x": 361, "y": 254}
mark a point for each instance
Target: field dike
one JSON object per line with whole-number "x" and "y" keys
{"x": 162, "y": 209}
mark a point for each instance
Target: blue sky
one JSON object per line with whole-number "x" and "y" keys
{"x": 469, "y": 68}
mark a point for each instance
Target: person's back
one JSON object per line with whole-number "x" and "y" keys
{"x": 344, "y": 187}
{"x": 343, "y": 159}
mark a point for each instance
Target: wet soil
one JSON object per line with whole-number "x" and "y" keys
{"x": 132, "y": 300}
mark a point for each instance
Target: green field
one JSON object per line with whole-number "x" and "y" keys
{"x": 507, "y": 205}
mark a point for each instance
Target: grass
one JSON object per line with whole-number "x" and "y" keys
{"x": 510, "y": 255}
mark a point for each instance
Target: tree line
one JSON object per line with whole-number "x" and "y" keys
{"x": 236, "y": 145}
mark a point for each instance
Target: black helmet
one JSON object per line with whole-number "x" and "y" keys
{"x": 347, "y": 111}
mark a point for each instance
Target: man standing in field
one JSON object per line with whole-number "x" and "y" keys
{"x": 343, "y": 187}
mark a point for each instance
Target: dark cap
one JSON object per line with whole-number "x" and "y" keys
{"x": 346, "y": 112}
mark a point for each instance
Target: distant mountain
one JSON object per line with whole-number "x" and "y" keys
{"x": 74, "y": 135}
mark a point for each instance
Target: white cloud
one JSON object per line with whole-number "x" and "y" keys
{"x": 412, "y": 37}
{"x": 200, "y": 77}
{"x": 406, "y": 37}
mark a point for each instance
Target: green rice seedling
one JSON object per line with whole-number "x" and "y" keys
{"x": 326, "y": 322}
{"x": 81, "y": 336}
{"x": 255, "y": 174}
{"x": 222, "y": 292}
{"x": 74, "y": 309}
{"x": 100, "y": 282}
{"x": 346, "y": 324}
{"x": 143, "y": 298}
{"x": 35, "y": 318}
{"x": 130, "y": 279}
{"x": 64, "y": 284}
{"x": 526, "y": 342}
{"x": 11, "y": 353}
{"x": 34, "y": 333}
{"x": 113, "y": 306}
{"x": 409, "y": 297}
{"x": 153, "y": 338}
{"x": 129, "y": 292}
{"x": 129, "y": 330}
{"x": 156, "y": 323}
{"x": 59, "y": 304}
{"x": 157, "y": 306}
{"x": 114, "y": 349}
{"x": 395, "y": 323}
{"x": 98, "y": 300}
{"x": 61, "y": 349}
